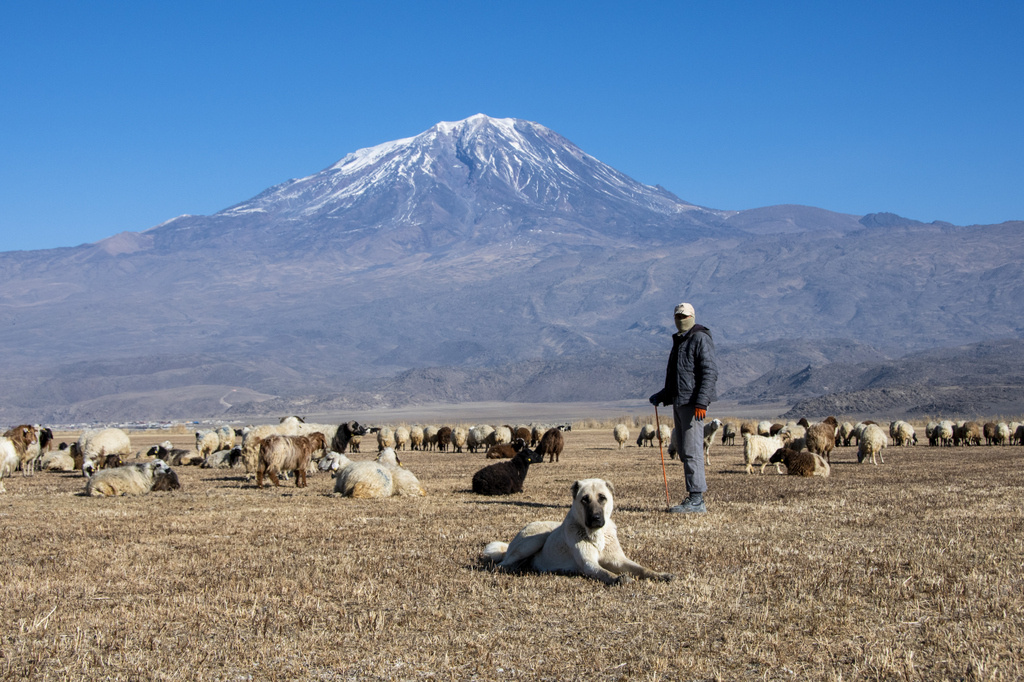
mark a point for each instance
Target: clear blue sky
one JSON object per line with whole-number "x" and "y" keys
{"x": 120, "y": 115}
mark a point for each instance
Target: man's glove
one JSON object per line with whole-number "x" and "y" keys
{"x": 700, "y": 412}
{"x": 656, "y": 399}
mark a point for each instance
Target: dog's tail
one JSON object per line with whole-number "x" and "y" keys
{"x": 495, "y": 551}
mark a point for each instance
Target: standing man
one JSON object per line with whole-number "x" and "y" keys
{"x": 689, "y": 389}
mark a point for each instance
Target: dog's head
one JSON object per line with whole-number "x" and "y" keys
{"x": 592, "y": 502}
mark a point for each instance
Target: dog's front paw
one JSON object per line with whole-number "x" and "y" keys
{"x": 665, "y": 577}
{"x": 622, "y": 579}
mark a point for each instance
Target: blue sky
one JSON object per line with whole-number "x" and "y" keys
{"x": 120, "y": 115}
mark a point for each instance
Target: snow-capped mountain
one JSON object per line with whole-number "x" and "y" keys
{"x": 476, "y": 245}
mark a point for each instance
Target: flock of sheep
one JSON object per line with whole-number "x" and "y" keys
{"x": 290, "y": 448}
{"x": 295, "y": 448}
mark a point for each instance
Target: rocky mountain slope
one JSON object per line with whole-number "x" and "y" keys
{"x": 470, "y": 250}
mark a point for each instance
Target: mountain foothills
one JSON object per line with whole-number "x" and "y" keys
{"x": 492, "y": 259}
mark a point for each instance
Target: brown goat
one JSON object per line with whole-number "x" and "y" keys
{"x": 287, "y": 453}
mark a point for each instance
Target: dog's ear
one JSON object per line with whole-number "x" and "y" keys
{"x": 611, "y": 488}
{"x": 575, "y": 489}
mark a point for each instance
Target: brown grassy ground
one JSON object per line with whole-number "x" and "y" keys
{"x": 907, "y": 570}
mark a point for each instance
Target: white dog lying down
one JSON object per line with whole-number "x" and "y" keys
{"x": 585, "y": 542}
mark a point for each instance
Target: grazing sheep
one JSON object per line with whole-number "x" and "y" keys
{"x": 1002, "y": 434}
{"x": 522, "y": 431}
{"x": 729, "y": 432}
{"x": 537, "y": 432}
{"x": 775, "y": 428}
{"x": 209, "y": 441}
{"x": 1018, "y": 434}
{"x": 764, "y": 428}
{"x": 478, "y": 436}
{"x": 748, "y": 427}
{"x": 131, "y": 479}
{"x": 971, "y": 433}
{"x": 430, "y": 437}
{"x": 759, "y": 450}
{"x": 803, "y": 463}
{"x": 647, "y": 434}
{"x": 385, "y": 438}
{"x": 97, "y": 444}
{"x": 506, "y": 478}
{"x": 845, "y": 434}
{"x": 793, "y": 430}
{"x": 25, "y": 442}
{"x": 459, "y": 437}
{"x": 444, "y": 438}
{"x": 502, "y": 434}
{"x": 873, "y": 440}
{"x": 621, "y": 434}
{"x": 902, "y": 434}
{"x": 990, "y": 433}
{"x": 9, "y": 460}
{"x": 416, "y": 438}
{"x": 288, "y": 453}
{"x": 944, "y": 433}
{"x": 551, "y": 444}
{"x": 711, "y": 429}
{"x": 664, "y": 434}
{"x": 821, "y": 438}
{"x": 401, "y": 437}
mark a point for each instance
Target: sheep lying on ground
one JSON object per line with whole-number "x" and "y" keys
{"x": 288, "y": 453}
{"x": 334, "y": 462}
{"x": 621, "y": 434}
{"x": 872, "y": 441}
{"x": 382, "y": 477}
{"x": 506, "y": 478}
{"x": 803, "y": 463}
{"x": 131, "y": 479}
{"x": 503, "y": 451}
{"x": 551, "y": 444}
{"x": 175, "y": 456}
{"x": 759, "y": 450}
{"x": 222, "y": 459}
{"x": 166, "y": 481}
{"x": 58, "y": 460}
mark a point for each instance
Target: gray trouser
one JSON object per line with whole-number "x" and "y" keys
{"x": 690, "y": 437}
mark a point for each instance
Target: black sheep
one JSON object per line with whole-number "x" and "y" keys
{"x": 505, "y": 478}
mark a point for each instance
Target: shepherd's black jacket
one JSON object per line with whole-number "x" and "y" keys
{"x": 692, "y": 371}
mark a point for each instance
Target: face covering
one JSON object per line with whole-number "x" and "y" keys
{"x": 685, "y": 324}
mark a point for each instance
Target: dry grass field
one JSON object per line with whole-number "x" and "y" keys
{"x": 907, "y": 570}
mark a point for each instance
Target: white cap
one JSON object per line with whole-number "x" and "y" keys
{"x": 684, "y": 309}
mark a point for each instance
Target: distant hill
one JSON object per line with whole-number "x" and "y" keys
{"x": 479, "y": 251}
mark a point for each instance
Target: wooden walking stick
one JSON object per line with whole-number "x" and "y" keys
{"x": 657, "y": 425}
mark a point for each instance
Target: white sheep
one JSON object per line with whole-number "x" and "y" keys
{"x": 402, "y": 436}
{"x": 711, "y": 430}
{"x": 334, "y": 462}
{"x": 664, "y": 434}
{"x": 902, "y": 433}
{"x": 460, "y": 437}
{"x": 944, "y": 433}
{"x": 502, "y": 435}
{"x": 9, "y": 460}
{"x": 872, "y": 441}
{"x": 764, "y": 428}
{"x": 386, "y": 438}
{"x": 1002, "y": 434}
{"x": 621, "y": 434}
{"x": 382, "y": 477}
{"x": 227, "y": 437}
{"x": 477, "y": 437}
{"x": 845, "y": 434}
{"x": 416, "y": 438}
{"x": 207, "y": 442}
{"x": 98, "y": 444}
{"x": 759, "y": 450}
{"x": 130, "y": 479}
{"x": 57, "y": 460}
